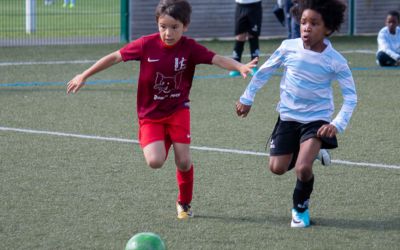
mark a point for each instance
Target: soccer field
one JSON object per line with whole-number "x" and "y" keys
{"x": 74, "y": 177}
{"x": 89, "y": 18}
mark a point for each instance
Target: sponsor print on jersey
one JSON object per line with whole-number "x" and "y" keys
{"x": 167, "y": 86}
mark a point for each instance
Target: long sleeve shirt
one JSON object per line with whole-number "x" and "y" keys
{"x": 306, "y": 92}
{"x": 389, "y": 43}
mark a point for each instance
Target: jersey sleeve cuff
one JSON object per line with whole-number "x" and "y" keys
{"x": 245, "y": 101}
{"x": 338, "y": 128}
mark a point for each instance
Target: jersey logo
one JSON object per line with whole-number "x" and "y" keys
{"x": 180, "y": 64}
{"x": 255, "y": 28}
{"x": 272, "y": 144}
{"x": 152, "y": 60}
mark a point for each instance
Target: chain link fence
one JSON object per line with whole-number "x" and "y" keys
{"x": 47, "y": 22}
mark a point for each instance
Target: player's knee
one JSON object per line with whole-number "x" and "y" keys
{"x": 155, "y": 162}
{"x": 183, "y": 164}
{"x": 241, "y": 37}
{"x": 277, "y": 169}
{"x": 303, "y": 171}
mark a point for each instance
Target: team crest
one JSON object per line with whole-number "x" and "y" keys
{"x": 180, "y": 64}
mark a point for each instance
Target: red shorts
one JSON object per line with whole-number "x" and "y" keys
{"x": 174, "y": 128}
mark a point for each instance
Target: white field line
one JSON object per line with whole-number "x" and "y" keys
{"x": 46, "y": 62}
{"x": 93, "y": 137}
{"x": 210, "y": 149}
{"x": 93, "y": 61}
{"x": 359, "y": 51}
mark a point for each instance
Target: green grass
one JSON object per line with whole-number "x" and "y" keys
{"x": 71, "y": 193}
{"x": 89, "y": 18}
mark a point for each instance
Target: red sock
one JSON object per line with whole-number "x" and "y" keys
{"x": 185, "y": 185}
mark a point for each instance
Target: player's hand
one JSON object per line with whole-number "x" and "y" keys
{"x": 241, "y": 109}
{"x": 247, "y": 68}
{"x": 75, "y": 84}
{"x": 327, "y": 130}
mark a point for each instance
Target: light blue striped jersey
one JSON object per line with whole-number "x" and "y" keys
{"x": 306, "y": 93}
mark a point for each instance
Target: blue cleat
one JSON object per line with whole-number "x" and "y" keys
{"x": 300, "y": 220}
{"x": 253, "y": 71}
{"x": 234, "y": 73}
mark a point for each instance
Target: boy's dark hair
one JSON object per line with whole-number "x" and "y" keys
{"x": 332, "y": 11}
{"x": 178, "y": 9}
{"x": 395, "y": 14}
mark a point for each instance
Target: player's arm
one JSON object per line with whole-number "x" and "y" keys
{"x": 243, "y": 105}
{"x": 242, "y": 109}
{"x": 107, "y": 61}
{"x": 230, "y": 64}
{"x": 347, "y": 86}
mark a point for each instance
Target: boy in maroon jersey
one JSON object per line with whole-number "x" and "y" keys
{"x": 167, "y": 64}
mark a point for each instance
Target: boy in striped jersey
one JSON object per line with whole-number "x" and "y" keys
{"x": 306, "y": 104}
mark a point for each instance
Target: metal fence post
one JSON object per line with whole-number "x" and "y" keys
{"x": 352, "y": 18}
{"x": 124, "y": 33}
{"x": 30, "y": 16}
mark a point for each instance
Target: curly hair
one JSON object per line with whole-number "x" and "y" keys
{"x": 332, "y": 11}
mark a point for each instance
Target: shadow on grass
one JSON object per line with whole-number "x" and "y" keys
{"x": 371, "y": 225}
{"x": 257, "y": 220}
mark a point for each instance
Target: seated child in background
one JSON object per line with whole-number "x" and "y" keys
{"x": 388, "y": 53}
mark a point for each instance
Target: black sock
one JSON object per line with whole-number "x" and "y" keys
{"x": 238, "y": 50}
{"x": 301, "y": 194}
{"x": 254, "y": 47}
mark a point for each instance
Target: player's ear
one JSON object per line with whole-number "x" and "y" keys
{"x": 185, "y": 27}
{"x": 328, "y": 32}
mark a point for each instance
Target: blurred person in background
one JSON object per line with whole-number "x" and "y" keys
{"x": 294, "y": 19}
{"x": 291, "y": 8}
{"x": 48, "y": 2}
{"x": 388, "y": 53}
{"x": 248, "y": 18}
{"x": 69, "y": 3}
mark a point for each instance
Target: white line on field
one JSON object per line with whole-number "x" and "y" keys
{"x": 220, "y": 150}
{"x": 94, "y": 137}
{"x": 359, "y": 51}
{"x": 46, "y": 62}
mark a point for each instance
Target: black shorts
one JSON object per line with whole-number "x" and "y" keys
{"x": 288, "y": 135}
{"x": 248, "y": 18}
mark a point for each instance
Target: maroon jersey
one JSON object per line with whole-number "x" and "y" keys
{"x": 166, "y": 73}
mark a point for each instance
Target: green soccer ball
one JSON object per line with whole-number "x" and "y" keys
{"x": 145, "y": 241}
